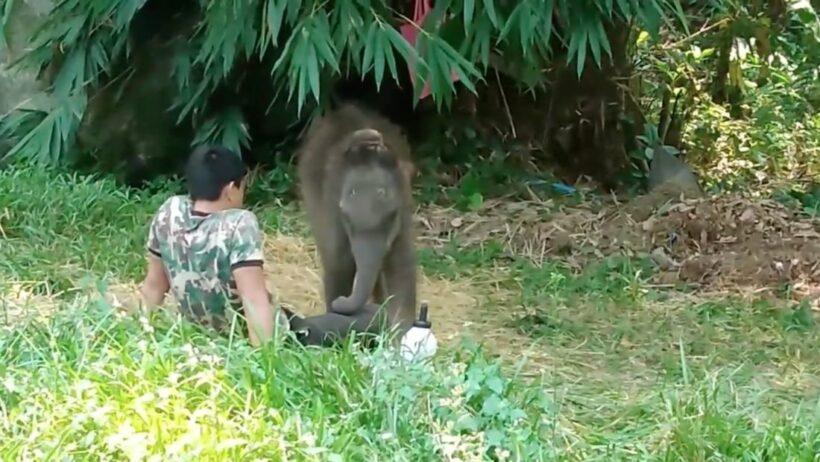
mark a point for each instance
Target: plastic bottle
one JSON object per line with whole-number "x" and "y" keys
{"x": 419, "y": 342}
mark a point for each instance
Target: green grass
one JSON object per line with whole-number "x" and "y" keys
{"x": 634, "y": 373}
{"x": 89, "y": 384}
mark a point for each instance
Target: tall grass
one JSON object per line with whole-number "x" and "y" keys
{"x": 89, "y": 384}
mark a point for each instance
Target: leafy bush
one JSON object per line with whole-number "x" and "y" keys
{"x": 302, "y": 45}
{"x": 740, "y": 97}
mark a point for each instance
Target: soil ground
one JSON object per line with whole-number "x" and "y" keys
{"x": 716, "y": 245}
{"x": 713, "y": 244}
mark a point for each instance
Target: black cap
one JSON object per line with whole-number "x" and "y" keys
{"x": 422, "y": 321}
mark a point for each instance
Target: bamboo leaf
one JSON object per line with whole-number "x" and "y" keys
{"x": 513, "y": 23}
{"x": 347, "y": 19}
{"x": 49, "y": 140}
{"x": 273, "y": 12}
{"x": 312, "y": 67}
{"x": 449, "y": 53}
{"x": 481, "y": 44}
{"x": 469, "y": 10}
{"x": 603, "y": 39}
{"x": 71, "y": 74}
{"x": 193, "y": 100}
{"x": 391, "y": 60}
{"x": 594, "y": 45}
{"x": 368, "y": 48}
{"x": 227, "y": 128}
{"x": 126, "y": 10}
{"x": 578, "y": 44}
{"x": 435, "y": 60}
{"x": 285, "y": 54}
{"x": 582, "y": 53}
{"x": 489, "y": 7}
{"x": 323, "y": 43}
{"x": 293, "y": 9}
{"x": 299, "y": 68}
{"x": 5, "y": 17}
{"x": 678, "y": 9}
{"x": 528, "y": 28}
{"x": 624, "y": 8}
{"x": 401, "y": 45}
{"x": 605, "y": 7}
{"x": 547, "y": 24}
{"x": 52, "y": 151}
{"x": 650, "y": 16}
{"x": 73, "y": 29}
{"x": 378, "y": 59}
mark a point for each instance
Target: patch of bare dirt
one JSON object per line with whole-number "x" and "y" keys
{"x": 18, "y": 302}
{"x": 293, "y": 275}
{"x": 713, "y": 243}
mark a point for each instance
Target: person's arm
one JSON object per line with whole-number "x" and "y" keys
{"x": 250, "y": 283}
{"x": 156, "y": 284}
{"x": 247, "y": 261}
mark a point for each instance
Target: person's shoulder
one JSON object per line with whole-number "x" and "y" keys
{"x": 244, "y": 227}
{"x": 173, "y": 206}
{"x": 240, "y": 216}
{"x": 243, "y": 222}
{"x": 175, "y": 203}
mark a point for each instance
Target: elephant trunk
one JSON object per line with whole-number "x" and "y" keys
{"x": 368, "y": 252}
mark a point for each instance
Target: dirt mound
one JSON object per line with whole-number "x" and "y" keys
{"x": 715, "y": 242}
{"x": 737, "y": 242}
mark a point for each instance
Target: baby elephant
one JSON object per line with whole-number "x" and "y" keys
{"x": 354, "y": 170}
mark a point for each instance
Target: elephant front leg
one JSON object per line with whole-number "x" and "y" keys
{"x": 401, "y": 279}
{"x": 338, "y": 274}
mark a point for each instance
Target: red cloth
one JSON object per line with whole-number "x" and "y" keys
{"x": 410, "y": 33}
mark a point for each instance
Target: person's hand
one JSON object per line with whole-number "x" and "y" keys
{"x": 155, "y": 285}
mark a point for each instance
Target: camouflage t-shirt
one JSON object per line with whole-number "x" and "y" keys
{"x": 199, "y": 252}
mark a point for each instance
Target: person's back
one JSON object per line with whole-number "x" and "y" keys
{"x": 200, "y": 251}
{"x": 207, "y": 250}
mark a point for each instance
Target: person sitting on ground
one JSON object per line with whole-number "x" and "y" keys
{"x": 207, "y": 250}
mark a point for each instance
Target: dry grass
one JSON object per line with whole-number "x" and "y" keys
{"x": 456, "y": 307}
{"x": 19, "y": 302}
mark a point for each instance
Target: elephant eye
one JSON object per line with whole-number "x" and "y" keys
{"x": 381, "y": 192}
{"x": 352, "y": 192}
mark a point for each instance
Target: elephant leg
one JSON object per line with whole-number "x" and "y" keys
{"x": 339, "y": 271}
{"x": 401, "y": 281}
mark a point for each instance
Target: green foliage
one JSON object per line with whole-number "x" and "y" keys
{"x": 308, "y": 43}
{"x": 5, "y": 16}
{"x": 641, "y": 158}
{"x": 744, "y": 90}
{"x": 58, "y": 228}
{"x": 139, "y": 387}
